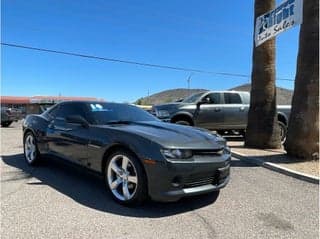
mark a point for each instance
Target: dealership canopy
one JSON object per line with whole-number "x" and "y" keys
{"x": 283, "y": 17}
{"x": 42, "y": 99}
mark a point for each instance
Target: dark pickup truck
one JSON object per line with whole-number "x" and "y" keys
{"x": 224, "y": 111}
{"x": 8, "y": 115}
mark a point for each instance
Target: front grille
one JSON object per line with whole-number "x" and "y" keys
{"x": 200, "y": 180}
{"x": 215, "y": 152}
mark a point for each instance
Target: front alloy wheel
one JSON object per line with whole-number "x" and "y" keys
{"x": 125, "y": 178}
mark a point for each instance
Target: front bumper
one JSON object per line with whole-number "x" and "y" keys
{"x": 170, "y": 181}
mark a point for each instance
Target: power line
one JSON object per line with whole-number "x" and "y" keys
{"x": 130, "y": 62}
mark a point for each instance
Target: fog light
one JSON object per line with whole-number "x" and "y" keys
{"x": 176, "y": 182}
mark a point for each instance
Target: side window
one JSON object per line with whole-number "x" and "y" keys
{"x": 62, "y": 111}
{"x": 214, "y": 98}
{"x": 232, "y": 98}
{"x": 52, "y": 112}
{"x": 71, "y": 109}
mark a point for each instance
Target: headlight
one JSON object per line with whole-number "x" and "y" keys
{"x": 177, "y": 153}
{"x": 227, "y": 150}
{"x": 162, "y": 113}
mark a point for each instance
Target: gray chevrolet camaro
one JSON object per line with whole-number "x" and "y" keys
{"x": 138, "y": 155}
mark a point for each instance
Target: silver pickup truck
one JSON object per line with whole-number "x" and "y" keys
{"x": 224, "y": 111}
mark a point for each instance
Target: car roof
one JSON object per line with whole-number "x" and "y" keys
{"x": 90, "y": 102}
{"x": 229, "y": 91}
{"x": 85, "y": 102}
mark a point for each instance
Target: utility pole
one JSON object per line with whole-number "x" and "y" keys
{"x": 189, "y": 80}
{"x": 147, "y": 101}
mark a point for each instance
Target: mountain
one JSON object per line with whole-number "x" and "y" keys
{"x": 167, "y": 96}
{"x": 284, "y": 96}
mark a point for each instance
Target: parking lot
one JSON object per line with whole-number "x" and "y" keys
{"x": 57, "y": 200}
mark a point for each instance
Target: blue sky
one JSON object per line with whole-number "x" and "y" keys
{"x": 208, "y": 35}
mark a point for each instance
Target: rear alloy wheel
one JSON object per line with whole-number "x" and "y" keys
{"x": 283, "y": 131}
{"x": 125, "y": 178}
{"x": 31, "y": 152}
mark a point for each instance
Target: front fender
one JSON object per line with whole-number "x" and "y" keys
{"x": 182, "y": 113}
{"x": 37, "y": 125}
{"x": 283, "y": 116}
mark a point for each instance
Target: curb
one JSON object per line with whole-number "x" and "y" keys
{"x": 277, "y": 168}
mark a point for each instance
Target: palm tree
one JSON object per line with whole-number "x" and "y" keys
{"x": 303, "y": 132}
{"x": 262, "y": 130}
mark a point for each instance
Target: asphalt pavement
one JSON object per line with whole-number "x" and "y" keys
{"x": 58, "y": 200}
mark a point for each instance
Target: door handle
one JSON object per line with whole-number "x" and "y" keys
{"x": 51, "y": 126}
{"x": 217, "y": 109}
{"x": 241, "y": 108}
{"x": 62, "y": 128}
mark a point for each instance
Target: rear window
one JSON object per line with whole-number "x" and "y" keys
{"x": 232, "y": 98}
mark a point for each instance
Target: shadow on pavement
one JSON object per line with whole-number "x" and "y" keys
{"x": 279, "y": 158}
{"x": 88, "y": 189}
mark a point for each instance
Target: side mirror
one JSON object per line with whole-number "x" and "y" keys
{"x": 77, "y": 119}
{"x": 204, "y": 100}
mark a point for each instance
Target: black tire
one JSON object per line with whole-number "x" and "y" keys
{"x": 221, "y": 132}
{"x": 6, "y": 123}
{"x": 138, "y": 191}
{"x": 242, "y": 133}
{"x": 283, "y": 131}
{"x": 31, "y": 155}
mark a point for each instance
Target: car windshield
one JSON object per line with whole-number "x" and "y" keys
{"x": 106, "y": 113}
{"x": 193, "y": 98}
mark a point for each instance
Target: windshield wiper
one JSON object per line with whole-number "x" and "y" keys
{"x": 119, "y": 122}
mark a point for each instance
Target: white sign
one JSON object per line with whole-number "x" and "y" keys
{"x": 283, "y": 17}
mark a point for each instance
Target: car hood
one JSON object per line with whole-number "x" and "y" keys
{"x": 169, "y": 106}
{"x": 172, "y": 135}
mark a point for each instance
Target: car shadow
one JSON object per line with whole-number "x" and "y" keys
{"x": 87, "y": 188}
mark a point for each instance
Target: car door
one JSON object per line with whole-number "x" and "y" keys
{"x": 210, "y": 115}
{"x": 68, "y": 140}
{"x": 235, "y": 112}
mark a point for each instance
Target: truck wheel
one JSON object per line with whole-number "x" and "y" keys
{"x": 283, "y": 131}
{"x": 242, "y": 133}
{"x": 6, "y": 123}
{"x": 183, "y": 122}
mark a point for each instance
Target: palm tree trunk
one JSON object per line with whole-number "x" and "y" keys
{"x": 303, "y": 132}
{"x": 262, "y": 130}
